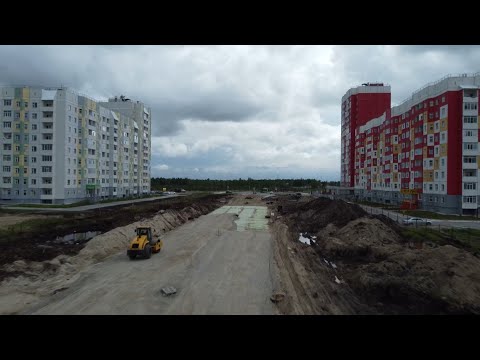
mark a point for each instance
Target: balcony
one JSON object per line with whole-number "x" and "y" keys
{"x": 469, "y": 205}
{"x": 470, "y": 152}
{"x": 469, "y": 126}
{"x": 470, "y": 112}
{"x": 470, "y": 95}
{"x": 470, "y": 165}
{"x": 469, "y": 192}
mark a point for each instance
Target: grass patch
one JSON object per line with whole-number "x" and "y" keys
{"x": 469, "y": 239}
{"x": 30, "y": 226}
{"x": 377, "y": 205}
{"x": 433, "y": 215}
{"x": 79, "y": 203}
{"x": 194, "y": 195}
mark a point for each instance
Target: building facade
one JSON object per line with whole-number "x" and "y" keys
{"x": 61, "y": 147}
{"x": 422, "y": 153}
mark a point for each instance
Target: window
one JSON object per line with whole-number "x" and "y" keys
{"x": 469, "y": 172}
{"x": 469, "y": 159}
{"x": 34, "y": 115}
{"x": 443, "y": 188}
{"x": 34, "y": 126}
{"x": 6, "y": 168}
{"x": 470, "y": 199}
{"x": 470, "y": 186}
{"x": 7, "y": 113}
{"x": 34, "y": 137}
{"x": 33, "y": 181}
{"x": 34, "y": 149}
{"x": 7, "y": 102}
{"x": 469, "y": 119}
{"x": 470, "y": 146}
{"x": 46, "y": 169}
{"x": 46, "y": 157}
{"x": 47, "y": 147}
{"x": 443, "y": 99}
{"x": 34, "y": 104}
{"x": 468, "y": 133}
{"x": 470, "y": 106}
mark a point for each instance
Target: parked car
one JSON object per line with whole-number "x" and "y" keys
{"x": 416, "y": 221}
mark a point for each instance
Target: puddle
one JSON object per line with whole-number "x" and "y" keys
{"x": 303, "y": 239}
{"x": 77, "y": 237}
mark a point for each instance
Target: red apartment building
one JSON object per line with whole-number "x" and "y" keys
{"x": 423, "y": 153}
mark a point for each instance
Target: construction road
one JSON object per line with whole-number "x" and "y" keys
{"x": 220, "y": 263}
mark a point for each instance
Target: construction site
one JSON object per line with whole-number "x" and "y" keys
{"x": 239, "y": 253}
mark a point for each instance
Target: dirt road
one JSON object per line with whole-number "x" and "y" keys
{"x": 215, "y": 268}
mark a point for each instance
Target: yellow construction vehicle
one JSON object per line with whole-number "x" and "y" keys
{"x": 144, "y": 243}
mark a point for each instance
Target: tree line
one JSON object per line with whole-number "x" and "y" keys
{"x": 172, "y": 184}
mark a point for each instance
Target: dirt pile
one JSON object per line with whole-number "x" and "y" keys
{"x": 375, "y": 268}
{"x": 27, "y": 282}
{"x": 35, "y": 247}
{"x": 314, "y": 215}
{"x": 442, "y": 280}
{"x": 363, "y": 239}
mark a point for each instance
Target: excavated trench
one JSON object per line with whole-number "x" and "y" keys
{"x": 67, "y": 234}
{"x": 376, "y": 271}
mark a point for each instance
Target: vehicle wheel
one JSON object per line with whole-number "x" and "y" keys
{"x": 132, "y": 256}
{"x": 147, "y": 251}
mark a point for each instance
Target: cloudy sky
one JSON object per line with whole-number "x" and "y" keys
{"x": 238, "y": 111}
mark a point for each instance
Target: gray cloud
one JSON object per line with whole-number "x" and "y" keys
{"x": 232, "y": 110}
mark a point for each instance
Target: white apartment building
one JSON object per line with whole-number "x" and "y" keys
{"x": 59, "y": 147}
